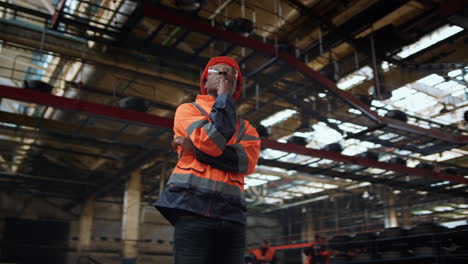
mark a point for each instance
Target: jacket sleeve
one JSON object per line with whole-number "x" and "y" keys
{"x": 241, "y": 157}
{"x": 207, "y": 136}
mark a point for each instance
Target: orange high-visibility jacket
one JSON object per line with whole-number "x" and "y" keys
{"x": 267, "y": 258}
{"x": 210, "y": 182}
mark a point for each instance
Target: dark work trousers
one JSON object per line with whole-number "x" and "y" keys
{"x": 203, "y": 240}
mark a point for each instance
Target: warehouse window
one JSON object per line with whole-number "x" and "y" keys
{"x": 429, "y": 40}
{"x": 249, "y": 182}
{"x": 278, "y": 117}
{"x": 355, "y": 78}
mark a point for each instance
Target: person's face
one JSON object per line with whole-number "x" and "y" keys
{"x": 218, "y": 73}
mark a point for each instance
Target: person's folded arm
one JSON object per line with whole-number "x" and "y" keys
{"x": 207, "y": 136}
{"x": 241, "y": 157}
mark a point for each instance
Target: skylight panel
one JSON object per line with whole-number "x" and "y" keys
{"x": 422, "y": 212}
{"x": 440, "y": 183}
{"x": 459, "y": 93}
{"x": 382, "y": 112}
{"x": 449, "y": 85}
{"x": 322, "y": 185}
{"x": 329, "y": 186}
{"x": 443, "y": 208}
{"x": 416, "y": 102}
{"x": 377, "y": 103}
{"x": 278, "y": 117}
{"x": 386, "y": 66}
{"x": 452, "y": 117}
{"x": 431, "y": 80}
{"x": 284, "y": 186}
{"x": 446, "y": 155}
{"x": 455, "y": 186}
{"x": 354, "y": 111}
{"x": 454, "y": 73}
{"x": 353, "y": 147}
{"x": 282, "y": 194}
{"x": 308, "y": 161}
{"x": 313, "y": 165}
{"x": 376, "y": 170}
{"x": 294, "y": 158}
{"x": 250, "y": 182}
{"x": 266, "y": 177}
{"x": 387, "y": 136}
{"x": 260, "y": 167}
{"x": 269, "y": 200}
{"x": 401, "y": 93}
{"x": 272, "y": 153}
{"x": 352, "y": 128}
{"x": 305, "y": 190}
{"x": 325, "y": 161}
{"x": 315, "y": 184}
{"x": 355, "y": 78}
{"x": 303, "y": 134}
{"x": 325, "y": 135}
{"x": 429, "y": 40}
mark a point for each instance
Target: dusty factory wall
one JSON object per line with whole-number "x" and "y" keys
{"x": 156, "y": 234}
{"x": 260, "y": 228}
{"x": 31, "y": 226}
{"x": 155, "y": 243}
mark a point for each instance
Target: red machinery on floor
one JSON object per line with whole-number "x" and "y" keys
{"x": 315, "y": 253}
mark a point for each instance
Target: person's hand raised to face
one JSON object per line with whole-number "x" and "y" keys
{"x": 221, "y": 79}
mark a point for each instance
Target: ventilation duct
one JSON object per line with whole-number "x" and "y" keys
{"x": 189, "y": 6}
{"x": 38, "y": 86}
{"x": 297, "y": 140}
{"x": 397, "y": 114}
{"x": 452, "y": 170}
{"x": 397, "y": 160}
{"x": 305, "y": 125}
{"x": 366, "y": 99}
{"x": 134, "y": 103}
{"x": 425, "y": 165}
{"x": 335, "y": 147}
{"x": 369, "y": 155}
{"x": 242, "y": 26}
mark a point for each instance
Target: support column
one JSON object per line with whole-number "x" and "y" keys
{"x": 131, "y": 218}
{"x": 86, "y": 225}
{"x": 407, "y": 216}
{"x": 308, "y": 230}
{"x": 391, "y": 219}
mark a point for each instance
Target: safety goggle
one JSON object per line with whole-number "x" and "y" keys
{"x": 224, "y": 70}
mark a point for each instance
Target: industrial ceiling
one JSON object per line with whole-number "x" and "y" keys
{"x": 348, "y": 95}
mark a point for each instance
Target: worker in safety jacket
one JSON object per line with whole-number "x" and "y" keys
{"x": 204, "y": 197}
{"x": 265, "y": 253}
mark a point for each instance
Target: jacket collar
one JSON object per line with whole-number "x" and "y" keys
{"x": 206, "y": 99}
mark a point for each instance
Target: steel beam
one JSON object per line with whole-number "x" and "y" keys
{"x": 202, "y": 27}
{"x": 195, "y": 25}
{"x": 78, "y": 131}
{"x": 58, "y": 14}
{"x": 293, "y": 148}
{"x": 83, "y": 106}
{"x": 399, "y": 125}
{"x": 132, "y": 116}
